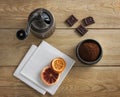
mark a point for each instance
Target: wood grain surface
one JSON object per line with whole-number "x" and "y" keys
{"x": 65, "y": 40}
{"x": 106, "y": 13}
{"x": 99, "y": 80}
{"x": 83, "y": 81}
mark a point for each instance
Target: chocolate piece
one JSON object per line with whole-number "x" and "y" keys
{"x": 81, "y": 29}
{"x": 88, "y": 21}
{"x": 71, "y": 20}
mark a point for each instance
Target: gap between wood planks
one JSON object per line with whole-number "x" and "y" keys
{"x": 70, "y": 28}
{"x": 86, "y": 66}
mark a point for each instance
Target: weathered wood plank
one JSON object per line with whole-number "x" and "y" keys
{"x": 81, "y": 81}
{"x": 13, "y": 14}
{"x": 12, "y": 50}
{"x": 26, "y": 92}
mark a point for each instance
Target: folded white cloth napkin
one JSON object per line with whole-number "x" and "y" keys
{"x": 21, "y": 65}
{"x": 38, "y": 59}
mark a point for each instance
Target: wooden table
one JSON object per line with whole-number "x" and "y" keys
{"x": 99, "y": 80}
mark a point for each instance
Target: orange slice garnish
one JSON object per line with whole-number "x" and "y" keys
{"x": 49, "y": 76}
{"x": 58, "y": 64}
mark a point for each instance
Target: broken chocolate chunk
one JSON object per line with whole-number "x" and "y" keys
{"x": 88, "y": 21}
{"x": 71, "y": 20}
{"x": 81, "y": 29}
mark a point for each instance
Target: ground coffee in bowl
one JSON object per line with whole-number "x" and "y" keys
{"x": 89, "y": 51}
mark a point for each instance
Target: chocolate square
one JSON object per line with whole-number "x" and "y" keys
{"x": 71, "y": 20}
{"x": 81, "y": 29}
{"x": 88, "y": 21}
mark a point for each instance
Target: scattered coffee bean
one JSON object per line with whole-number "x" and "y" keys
{"x": 88, "y": 21}
{"x": 71, "y": 20}
{"x": 81, "y": 29}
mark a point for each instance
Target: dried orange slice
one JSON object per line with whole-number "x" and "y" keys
{"x": 58, "y": 64}
{"x": 49, "y": 76}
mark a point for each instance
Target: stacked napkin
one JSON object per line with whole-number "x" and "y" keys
{"x": 35, "y": 60}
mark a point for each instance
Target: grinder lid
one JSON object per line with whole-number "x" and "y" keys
{"x": 43, "y": 21}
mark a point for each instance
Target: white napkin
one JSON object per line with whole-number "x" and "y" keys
{"x": 41, "y": 58}
{"x": 35, "y": 60}
{"x": 21, "y": 65}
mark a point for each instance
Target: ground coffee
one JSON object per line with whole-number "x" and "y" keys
{"x": 89, "y": 51}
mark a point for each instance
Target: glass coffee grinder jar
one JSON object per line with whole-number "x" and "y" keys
{"x": 41, "y": 23}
